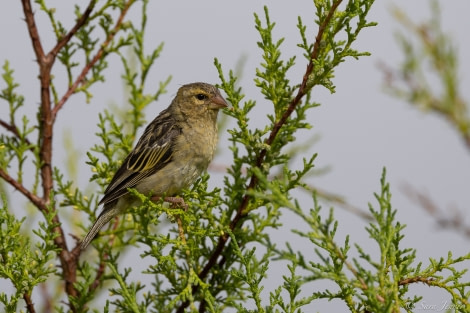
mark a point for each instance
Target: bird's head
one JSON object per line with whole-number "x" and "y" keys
{"x": 199, "y": 100}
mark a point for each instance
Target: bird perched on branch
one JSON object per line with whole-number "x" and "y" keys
{"x": 176, "y": 147}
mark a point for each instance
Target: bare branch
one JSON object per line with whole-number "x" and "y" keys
{"x": 32, "y": 29}
{"x": 14, "y": 130}
{"x": 445, "y": 219}
{"x": 37, "y": 201}
{"x": 45, "y": 123}
{"x": 339, "y": 200}
{"x": 93, "y": 61}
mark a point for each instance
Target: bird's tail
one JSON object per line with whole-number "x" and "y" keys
{"x": 109, "y": 211}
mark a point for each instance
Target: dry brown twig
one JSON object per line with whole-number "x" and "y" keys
{"x": 452, "y": 219}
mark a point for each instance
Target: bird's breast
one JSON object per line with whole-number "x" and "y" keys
{"x": 192, "y": 152}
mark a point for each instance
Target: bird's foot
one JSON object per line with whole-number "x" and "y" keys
{"x": 175, "y": 202}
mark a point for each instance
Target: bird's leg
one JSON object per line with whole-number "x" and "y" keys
{"x": 176, "y": 202}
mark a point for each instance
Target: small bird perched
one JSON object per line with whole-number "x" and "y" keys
{"x": 176, "y": 147}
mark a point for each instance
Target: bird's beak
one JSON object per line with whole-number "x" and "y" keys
{"x": 218, "y": 103}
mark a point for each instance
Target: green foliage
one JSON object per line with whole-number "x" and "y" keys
{"x": 23, "y": 264}
{"x": 365, "y": 283}
{"x": 14, "y": 150}
{"x": 216, "y": 255}
{"x": 334, "y": 50}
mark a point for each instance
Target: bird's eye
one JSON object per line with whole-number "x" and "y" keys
{"x": 201, "y": 96}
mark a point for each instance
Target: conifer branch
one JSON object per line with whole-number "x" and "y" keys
{"x": 241, "y": 211}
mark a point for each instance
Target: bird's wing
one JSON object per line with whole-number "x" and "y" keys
{"x": 152, "y": 152}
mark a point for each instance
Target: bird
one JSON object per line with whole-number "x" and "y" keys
{"x": 174, "y": 150}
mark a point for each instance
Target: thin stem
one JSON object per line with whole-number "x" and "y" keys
{"x": 417, "y": 279}
{"x": 37, "y": 201}
{"x": 29, "y": 303}
{"x": 80, "y": 22}
{"x": 14, "y": 130}
{"x": 32, "y": 29}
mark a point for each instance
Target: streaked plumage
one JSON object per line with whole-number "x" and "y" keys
{"x": 176, "y": 147}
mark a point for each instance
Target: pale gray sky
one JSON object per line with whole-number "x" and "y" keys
{"x": 362, "y": 129}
